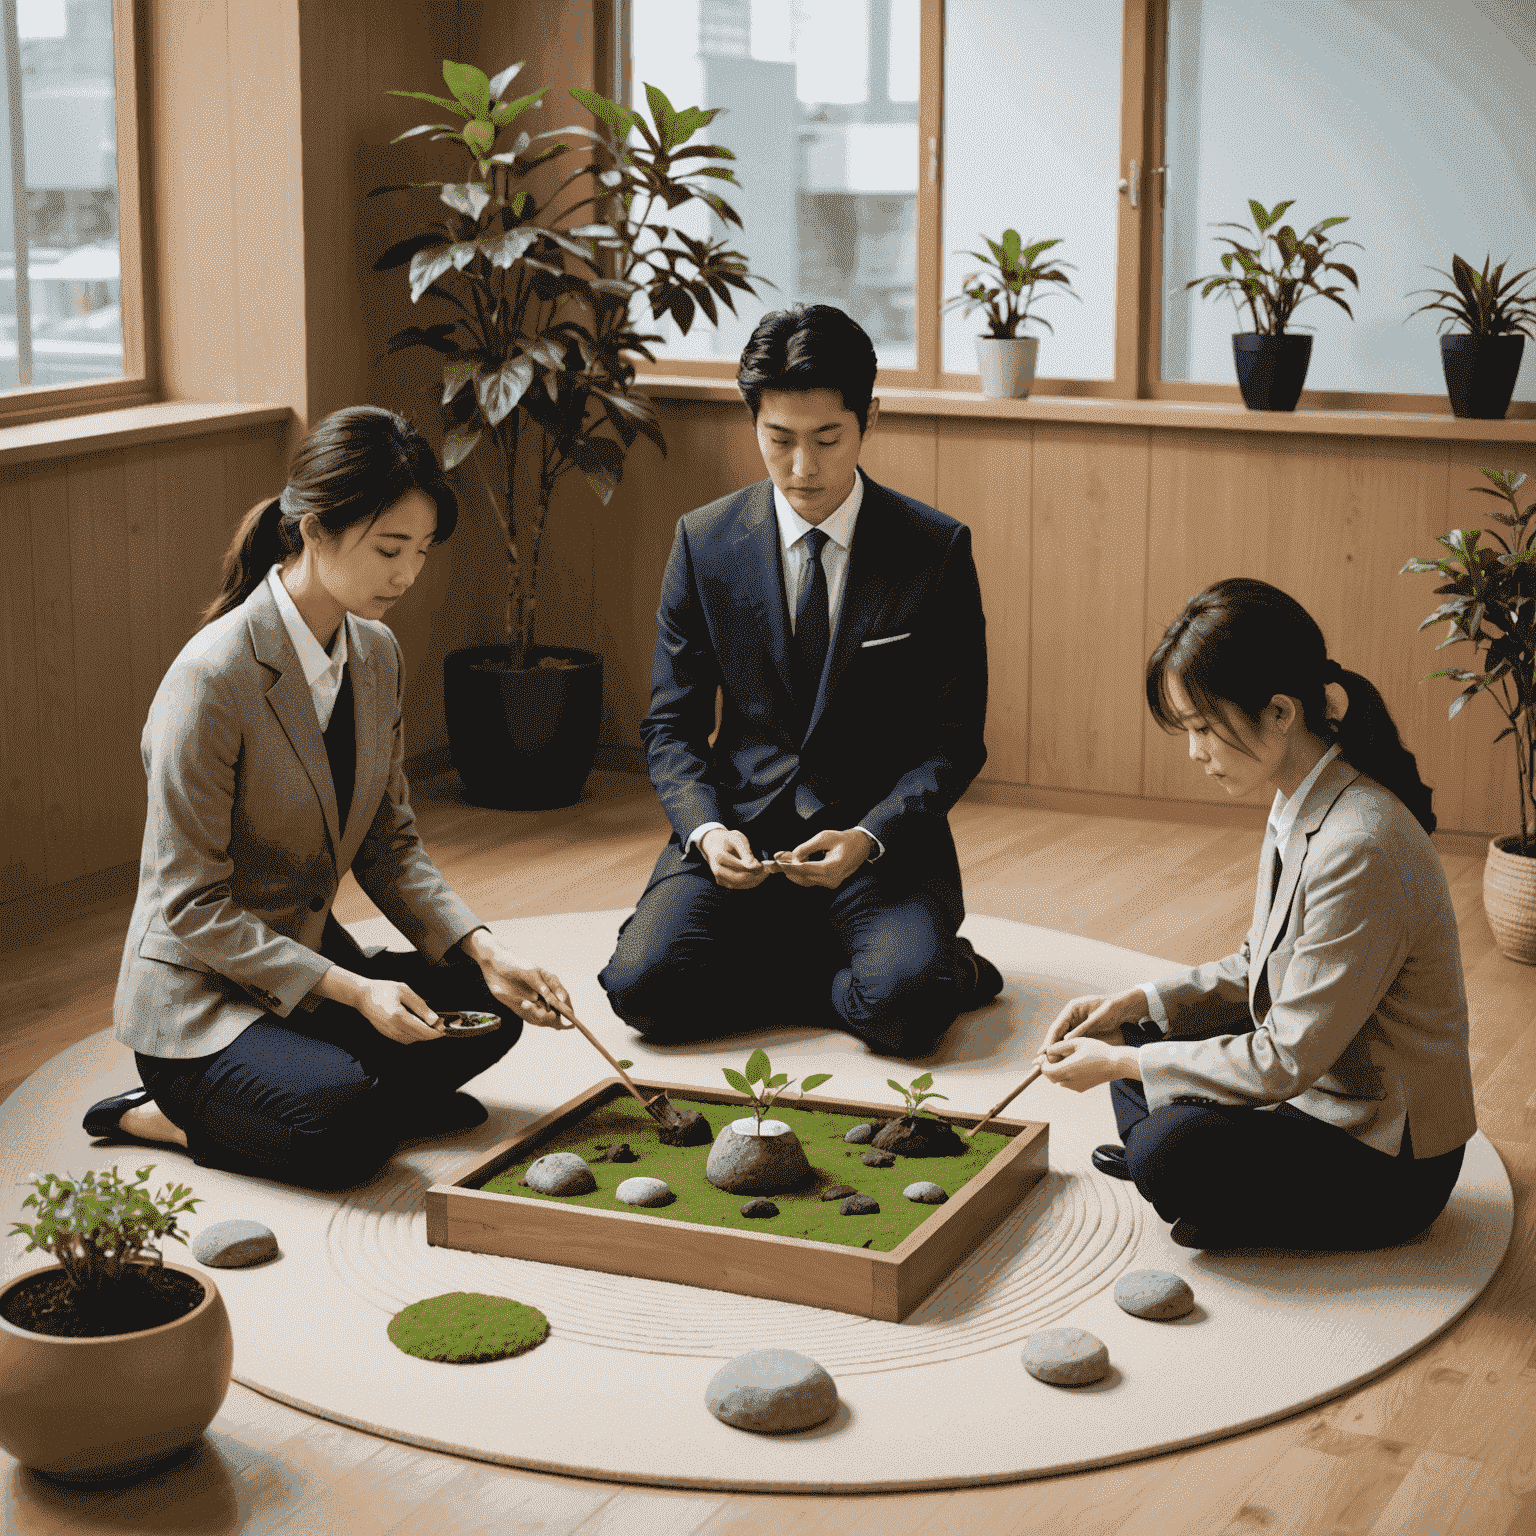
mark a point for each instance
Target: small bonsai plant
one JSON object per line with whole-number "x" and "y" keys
{"x": 1486, "y": 303}
{"x": 1490, "y": 604}
{"x": 917, "y": 1095}
{"x": 1005, "y": 283}
{"x": 1273, "y": 270}
{"x": 765, "y": 1085}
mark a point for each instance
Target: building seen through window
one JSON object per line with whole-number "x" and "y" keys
{"x": 822, "y": 118}
{"x": 60, "y": 288}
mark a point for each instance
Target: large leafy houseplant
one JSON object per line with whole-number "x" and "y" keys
{"x": 1482, "y": 360}
{"x": 545, "y": 259}
{"x": 1004, "y": 285}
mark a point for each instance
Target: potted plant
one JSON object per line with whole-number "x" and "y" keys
{"x": 1273, "y": 275}
{"x": 111, "y": 1359}
{"x": 1482, "y": 363}
{"x": 914, "y": 1134}
{"x": 1490, "y": 604}
{"x": 754, "y": 1156}
{"x": 1004, "y": 286}
{"x": 538, "y": 259}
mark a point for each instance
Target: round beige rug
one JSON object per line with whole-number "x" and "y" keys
{"x": 938, "y": 1400}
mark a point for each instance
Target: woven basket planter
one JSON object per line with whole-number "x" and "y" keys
{"x": 1509, "y": 899}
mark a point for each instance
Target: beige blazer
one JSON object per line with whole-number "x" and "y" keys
{"x": 1346, "y": 998}
{"x": 242, "y": 851}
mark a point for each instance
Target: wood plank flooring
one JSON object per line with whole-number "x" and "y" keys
{"x": 1444, "y": 1444}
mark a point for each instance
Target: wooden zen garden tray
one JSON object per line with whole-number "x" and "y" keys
{"x": 862, "y": 1281}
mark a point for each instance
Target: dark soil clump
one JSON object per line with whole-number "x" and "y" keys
{"x": 918, "y": 1136}
{"x": 149, "y": 1297}
{"x": 691, "y": 1129}
{"x": 838, "y": 1192}
{"x": 860, "y": 1205}
{"x": 876, "y": 1159}
{"x": 759, "y": 1208}
{"x": 619, "y": 1154}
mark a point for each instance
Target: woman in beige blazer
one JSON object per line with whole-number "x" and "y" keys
{"x": 266, "y": 1040}
{"x": 1313, "y": 1089}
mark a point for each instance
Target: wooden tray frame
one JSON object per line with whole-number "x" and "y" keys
{"x": 886, "y": 1286}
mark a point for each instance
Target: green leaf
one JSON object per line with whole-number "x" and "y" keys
{"x": 502, "y": 250}
{"x": 925, "y": 1081}
{"x": 620, "y": 119}
{"x": 402, "y": 251}
{"x": 815, "y": 1080}
{"x": 457, "y": 372}
{"x": 469, "y": 85}
{"x": 625, "y": 1065}
{"x": 496, "y": 90}
{"x": 466, "y": 197}
{"x": 437, "y": 101}
{"x": 737, "y": 1081}
{"x": 891, "y": 1082}
{"x": 458, "y": 444}
{"x": 500, "y": 389}
{"x": 778, "y": 1080}
{"x": 508, "y": 111}
{"x": 479, "y": 136}
{"x": 758, "y": 1067}
{"x": 427, "y": 266}
{"x": 662, "y": 115}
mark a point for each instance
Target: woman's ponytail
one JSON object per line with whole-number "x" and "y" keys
{"x": 1368, "y": 740}
{"x": 261, "y": 540}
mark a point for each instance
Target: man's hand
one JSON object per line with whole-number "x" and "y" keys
{"x": 731, "y": 860}
{"x": 527, "y": 989}
{"x": 845, "y": 851}
{"x": 1098, "y": 1016}
{"x": 1084, "y": 1063}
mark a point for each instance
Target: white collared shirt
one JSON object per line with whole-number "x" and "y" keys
{"x": 1282, "y": 817}
{"x": 795, "y": 554}
{"x": 322, "y": 672}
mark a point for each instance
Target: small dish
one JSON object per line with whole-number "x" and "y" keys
{"x": 466, "y": 1025}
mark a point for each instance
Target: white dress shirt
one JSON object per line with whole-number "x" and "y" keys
{"x": 1282, "y": 817}
{"x": 795, "y": 561}
{"x": 322, "y": 672}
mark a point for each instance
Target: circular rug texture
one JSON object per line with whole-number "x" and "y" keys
{"x": 940, "y": 1400}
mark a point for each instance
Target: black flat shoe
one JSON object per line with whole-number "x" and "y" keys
{"x": 442, "y": 1115}
{"x": 1110, "y": 1159}
{"x": 986, "y": 979}
{"x": 101, "y": 1119}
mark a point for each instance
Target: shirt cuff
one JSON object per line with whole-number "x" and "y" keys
{"x": 1155, "y": 1010}
{"x": 698, "y": 832}
{"x": 879, "y": 852}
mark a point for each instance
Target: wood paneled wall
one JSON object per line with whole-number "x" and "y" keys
{"x": 1088, "y": 540}
{"x": 109, "y": 559}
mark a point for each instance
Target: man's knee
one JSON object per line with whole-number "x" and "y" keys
{"x": 1183, "y": 1157}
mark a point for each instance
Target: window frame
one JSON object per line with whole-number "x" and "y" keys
{"x": 1139, "y": 248}
{"x": 139, "y": 382}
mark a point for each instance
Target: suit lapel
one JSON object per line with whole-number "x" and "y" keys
{"x": 292, "y": 702}
{"x": 762, "y": 568}
{"x": 370, "y": 767}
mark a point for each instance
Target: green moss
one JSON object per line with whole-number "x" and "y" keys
{"x": 802, "y": 1213}
{"x": 466, "y": 1327}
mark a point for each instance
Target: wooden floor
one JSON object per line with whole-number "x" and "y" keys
{"x": 1446, "y": 1443}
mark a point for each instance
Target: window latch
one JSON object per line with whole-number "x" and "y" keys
{"x": 1132, "y": 184}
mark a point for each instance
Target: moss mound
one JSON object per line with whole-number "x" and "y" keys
{"x": 466, "y": 1328}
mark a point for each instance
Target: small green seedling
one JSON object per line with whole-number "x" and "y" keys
{"x": 765, "y": 1085}
{"x": 98, "y": 1225}
{"x": 916, "y": 1094}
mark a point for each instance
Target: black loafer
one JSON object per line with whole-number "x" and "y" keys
{"x": 986, "y": 981}
{"x": 1110, "y": 1159}
{"x": 101, "y": 1119}
{"x": 442, "y": 1115}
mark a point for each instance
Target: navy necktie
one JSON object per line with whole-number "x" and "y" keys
{"x": 811, "y": 625}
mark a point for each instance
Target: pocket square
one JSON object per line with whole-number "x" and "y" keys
{"x": 886, "y": 640}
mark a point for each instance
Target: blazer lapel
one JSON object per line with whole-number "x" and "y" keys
{"x": 292, "y": 702}
{"x": 371, "y": 765}
{"x": 762, "y": 585}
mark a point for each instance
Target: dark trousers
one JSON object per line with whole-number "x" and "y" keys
{"x": 697, "y": 961}
{"x": 1276, "y": 1178}
{"x": 321, "y": 1099}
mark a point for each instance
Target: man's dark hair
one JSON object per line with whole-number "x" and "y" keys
{"x": 813, "y": 346}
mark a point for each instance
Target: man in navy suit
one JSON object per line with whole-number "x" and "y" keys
{"x": 841, "y": 624}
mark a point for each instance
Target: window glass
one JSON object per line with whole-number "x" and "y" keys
{"x": 1032, "y": 143}
{"x": 1416, "y": 119}
{"x": 60, "y": 291}
{"x": 822, "y": 118}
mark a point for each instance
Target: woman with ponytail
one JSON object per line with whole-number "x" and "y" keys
{"x": 267, "y": 1042}
{"x": 1312, "y": 1090}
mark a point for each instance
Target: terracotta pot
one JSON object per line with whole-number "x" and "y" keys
{"x": 89, "y": 1409}
{"x": 1509, "y": 899}
{"x": 746, "y": 1163}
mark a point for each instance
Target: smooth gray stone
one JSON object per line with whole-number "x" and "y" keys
{"x": 925, "y": 1192}
{"x": 859, "y": 1205}
{"x": 759, "y": 1208}
{"x": 1066, "y": 1357}
{"x": 1154, "y": 1293}
{"x": 561, "y": 1173}
{"x": 772, "y": 1392}
{"x": 644, "y": 1191}
{"x": 756, "y": 1165}
{"x": 860, "y": 1134}
{"x": 234, "y": 1244}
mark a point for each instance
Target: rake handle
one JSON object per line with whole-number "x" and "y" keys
{"x": 1002, "y": 1104}
{"x": 570, "y": 1017}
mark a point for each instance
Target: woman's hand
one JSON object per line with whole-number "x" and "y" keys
{"x": 394, "y": 1010}
{"x": 1097, "y": 1016}
{"x": 1085, "y": 1063}
{"x": 526, "y": 989}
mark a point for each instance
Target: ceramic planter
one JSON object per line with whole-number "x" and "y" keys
{"x": 1509, "y": 899}
{"x": 522, "y": 740}
{"x": 1007, "y": 365}
{"x": 1480, "y": 373}
{"x": 1271, "y": 369}
{"x": 89, "y": 1409}
{"x": 748, "y": 1159}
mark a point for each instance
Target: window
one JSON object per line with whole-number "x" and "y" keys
{"x": 69, "y": 297}
{"x": 878, "y": 140}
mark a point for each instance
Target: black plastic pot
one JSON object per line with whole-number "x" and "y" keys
{"x": 1480, "y": 373}
{"x": 522, "y": 740}
{"x": 1271, "y": 369}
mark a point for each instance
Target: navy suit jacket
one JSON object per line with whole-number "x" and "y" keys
{"x": 895, "y": 734}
